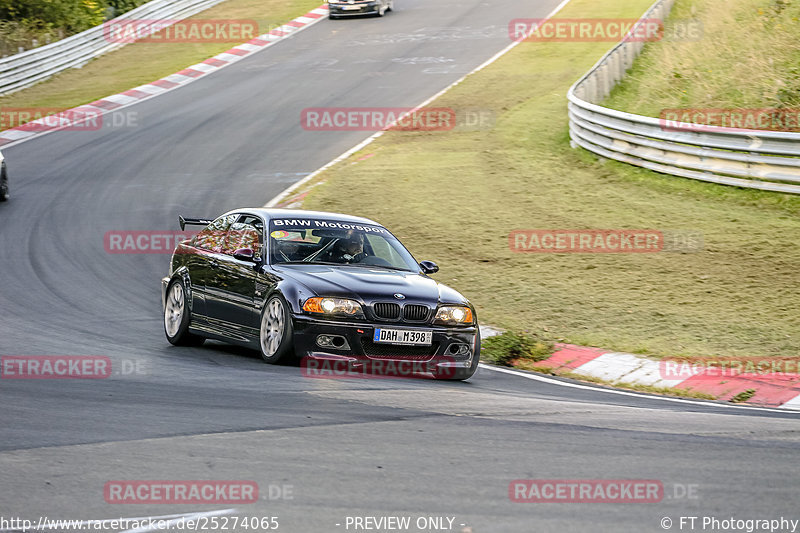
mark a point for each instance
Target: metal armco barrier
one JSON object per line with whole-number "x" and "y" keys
{"x": 757, "y": 159}
{"x": 23, "y": 70}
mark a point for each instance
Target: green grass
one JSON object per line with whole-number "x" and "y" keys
{"x": 508, "y": 347}
{"x": 750, "y": 58}
{"x": 139, "y": 63}
{"x": 453, "y": 197}
{"x": 743, "y": 396}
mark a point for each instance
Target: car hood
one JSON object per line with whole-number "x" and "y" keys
{"x": 370, "y": 284}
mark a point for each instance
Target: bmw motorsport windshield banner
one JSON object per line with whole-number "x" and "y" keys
{"x": 311, "y": 223}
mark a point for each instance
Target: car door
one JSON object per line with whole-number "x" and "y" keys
{"x": 234, "y": 294}
{"x": 203, "y": 262}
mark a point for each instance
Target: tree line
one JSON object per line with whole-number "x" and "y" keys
{"x": 27, "y": 23}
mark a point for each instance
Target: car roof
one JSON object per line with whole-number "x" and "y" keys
{"x": 269, "y": 213}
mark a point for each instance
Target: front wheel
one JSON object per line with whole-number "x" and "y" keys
{"x": 177, "y": 316}
{"x": 276, "y": 330}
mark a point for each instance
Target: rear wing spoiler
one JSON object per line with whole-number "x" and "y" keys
{"x": 193, "y": 222}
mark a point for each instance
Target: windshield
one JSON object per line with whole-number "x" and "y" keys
{"x": 318, "y": 241}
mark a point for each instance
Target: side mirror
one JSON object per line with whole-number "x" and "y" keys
{"x": 245, "y": 254}
{"x": 429, "y": 267}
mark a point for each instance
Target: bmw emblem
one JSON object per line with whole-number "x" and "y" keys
{"x": 399, "y": 296}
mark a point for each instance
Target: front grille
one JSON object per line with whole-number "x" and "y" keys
{"x": 389, "y": 311}
{"x": 390, "y": 351}
{"x": 416, "y": 313}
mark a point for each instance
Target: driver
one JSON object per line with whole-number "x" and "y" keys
{"x": 349, "y": 248}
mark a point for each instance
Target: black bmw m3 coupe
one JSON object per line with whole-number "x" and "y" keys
{"x": 316, "y": 285}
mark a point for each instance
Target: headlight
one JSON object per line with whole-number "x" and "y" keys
{"x": 454, "y": 314}
{"x": 333, "y": 306}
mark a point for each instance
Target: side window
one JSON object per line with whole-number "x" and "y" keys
{"x": 212, "y": 238}
{"x": 247, "y": 232}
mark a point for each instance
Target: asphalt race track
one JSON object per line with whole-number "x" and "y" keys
{"x": 320, "y": 450}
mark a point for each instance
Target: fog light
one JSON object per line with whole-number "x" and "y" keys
{"x": 458, "y": 349}
{"x": 336, "y": 342}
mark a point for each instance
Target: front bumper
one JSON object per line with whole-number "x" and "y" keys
{"x": 349, "y": 10}
{"x": 452, "y": 347}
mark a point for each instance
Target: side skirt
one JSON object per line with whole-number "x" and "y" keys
{"x": 224, "y": 331}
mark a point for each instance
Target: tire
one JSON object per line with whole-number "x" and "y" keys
{"x": 462, "y": 374}
{"x": 177, "y": 316}
{"x": 390, "y": 7}
{"x": 3, "y": 184}
{"x": 276, "y": 331}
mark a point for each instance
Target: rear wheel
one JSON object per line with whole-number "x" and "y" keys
{"x": 177, "y": 316}
{"x": 276, "y": 330}
{"x": 390, "y": 7}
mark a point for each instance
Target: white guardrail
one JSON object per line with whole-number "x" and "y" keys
{"x": 757, "y": 159}
{"x": 23, "y": 70}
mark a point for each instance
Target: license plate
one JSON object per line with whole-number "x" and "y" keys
{"x": 403, "y": 336}
{"x": 351, "y": 8}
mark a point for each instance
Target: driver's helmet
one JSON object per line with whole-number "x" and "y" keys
{"x": 351, "y": 243}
